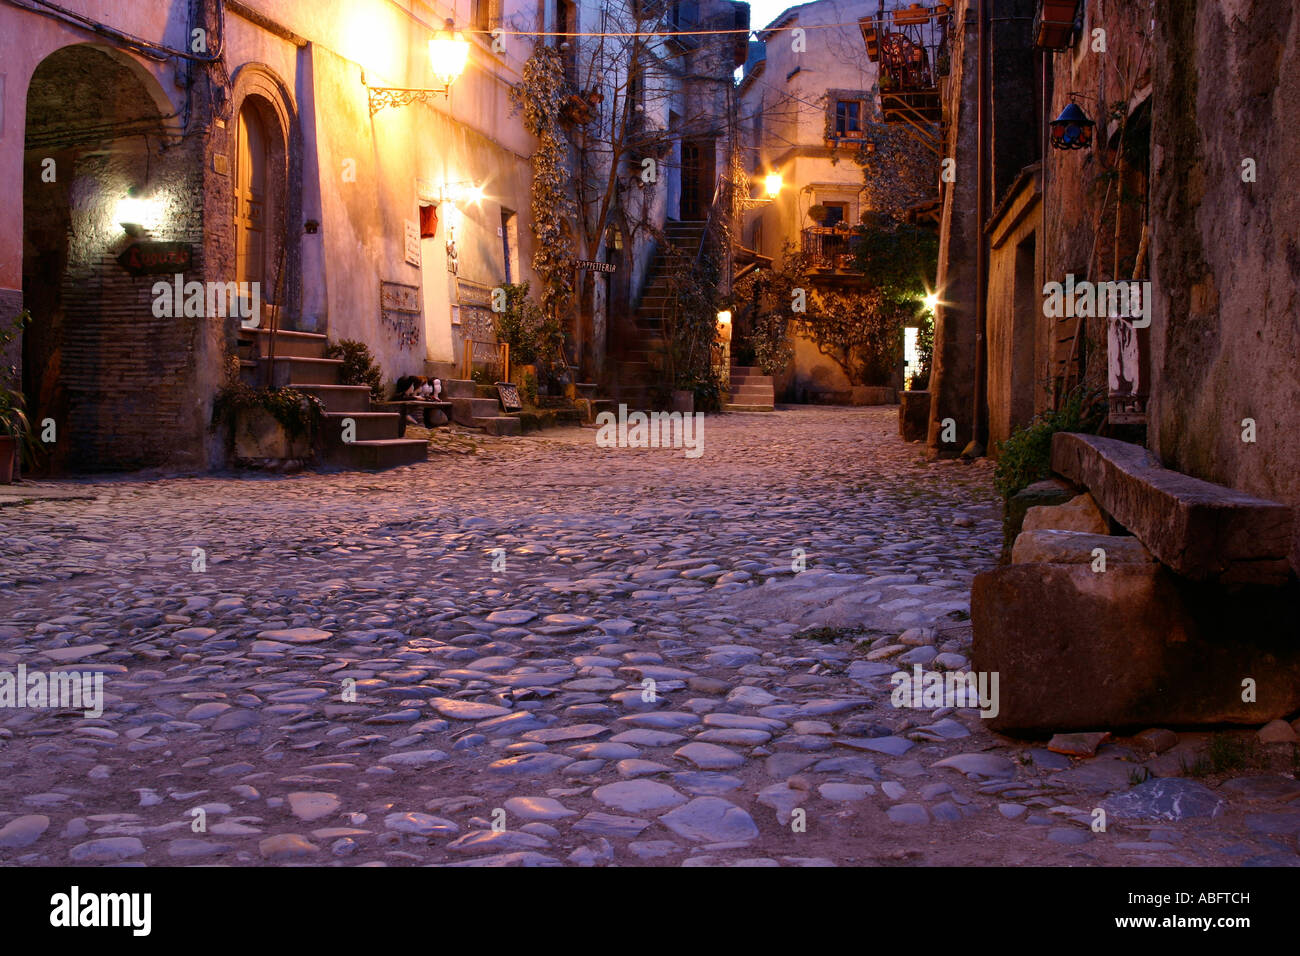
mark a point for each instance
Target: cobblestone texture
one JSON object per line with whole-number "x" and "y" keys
{"x": 648, "y": 680}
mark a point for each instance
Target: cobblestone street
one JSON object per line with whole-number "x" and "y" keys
{"x": 649, "y": 678}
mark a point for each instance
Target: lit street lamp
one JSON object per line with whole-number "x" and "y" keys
{"x": 448, "y": 54}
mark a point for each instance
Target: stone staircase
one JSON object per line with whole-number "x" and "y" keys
{"x": 750, "y": 391}
{"x": 300, "y": 363}
{"x": 477, "y": 406}
{"x": 638, "y": 359}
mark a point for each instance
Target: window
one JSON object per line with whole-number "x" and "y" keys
{"x": 481, "y": 14}
{"x": 566, "y": 21}
{"x": 848, "y": 119}
{"x": 836, "y": 212}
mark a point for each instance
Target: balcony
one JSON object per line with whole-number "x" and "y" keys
{"x": 829, "y": 249}
{"x": 911, "y": 48}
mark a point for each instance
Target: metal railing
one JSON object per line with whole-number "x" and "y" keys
{"x": 828, "y": 247}
{"x": 495, "y": 355}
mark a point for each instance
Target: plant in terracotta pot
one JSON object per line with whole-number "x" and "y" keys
{"x": 15, "y": 433}
{"x": 819, "y": 214}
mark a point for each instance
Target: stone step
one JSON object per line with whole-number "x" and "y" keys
{"x": 369, "y": 426}
{"x": 466, "y": 411}
{"x": 444, "y": 371}
{"x": 301, "y": 344}
{"x": 499, "y": 424}
{"x": 382, "y": 453}
{"x": 736, "y": 407}
{"x": 458, "y": 388}
{"x": 751, "y": 398}
{"x": 340, "y": 398}
{"x": 299, "y": 370}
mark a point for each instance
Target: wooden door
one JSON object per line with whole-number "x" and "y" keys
{"x": 250, "y": 200}
{"x": 697, "y": 178}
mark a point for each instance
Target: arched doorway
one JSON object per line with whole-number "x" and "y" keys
{"x": 94, "y": 364}
{"x": 266, "y": 202}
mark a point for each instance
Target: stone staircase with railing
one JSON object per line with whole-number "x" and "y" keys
{"x": 300, "y": 363}
{"x": 637, "y": 365}
{"x": 749, "y": 391}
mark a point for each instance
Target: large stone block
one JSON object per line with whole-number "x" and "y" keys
{"x": 913, "y": 415}
{"x": 1135, "y": 646}
{"x": 1201, "y": 530}
{"x": 1051, "y": 491}
{"x": 1078, "y": 514}
{"x": 1077, "y": 547}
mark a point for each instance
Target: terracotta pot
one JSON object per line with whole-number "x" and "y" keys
{"x": 683, "y": 401}
{"x": 8, "y": 458}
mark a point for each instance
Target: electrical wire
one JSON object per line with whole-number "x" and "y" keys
{"x": 155, "y": 51}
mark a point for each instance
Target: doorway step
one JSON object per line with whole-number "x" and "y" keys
{"x": 300, "y": 363}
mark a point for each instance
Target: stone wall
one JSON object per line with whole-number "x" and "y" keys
{"x": 1226, "y": 257}
{"x": 952, "y": 379}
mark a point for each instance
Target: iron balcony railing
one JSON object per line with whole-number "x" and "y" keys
{"x": 828, "y": 247}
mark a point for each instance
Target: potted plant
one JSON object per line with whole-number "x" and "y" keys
{"x": 819, "y": 214}
{"x": 15, "y": 430}
{"x": 15, "y": 433}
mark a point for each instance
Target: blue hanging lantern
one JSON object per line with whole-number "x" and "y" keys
{"x": 1072, "y": 129}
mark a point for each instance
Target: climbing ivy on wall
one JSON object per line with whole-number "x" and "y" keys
{"x": 540, "y": 95}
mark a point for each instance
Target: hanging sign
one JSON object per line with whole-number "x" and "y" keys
{"x": 149, "y": 258}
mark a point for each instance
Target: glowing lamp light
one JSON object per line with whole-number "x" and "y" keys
{"x": 930, "y": 301}
{"x": 1072, "y": 129}
{"x": 724, "y": 318}
{"x": 135, "y": 215}
{"x": 448, "y": 54}
{"x": 772, "y": 183}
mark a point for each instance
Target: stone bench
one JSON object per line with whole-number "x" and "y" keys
{"x": 1200, "y": 530}
{"x": 408, "y": 406}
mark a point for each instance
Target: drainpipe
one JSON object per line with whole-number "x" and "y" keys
{"x": 979, "y": 420}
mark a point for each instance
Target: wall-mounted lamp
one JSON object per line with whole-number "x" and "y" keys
{"x": 135, "y": 215}
{"x": 448, "y": 54}
{"x": 463, "y": 191}
{"x": 772, "y": 182}
{"x": 1072, "y": 129}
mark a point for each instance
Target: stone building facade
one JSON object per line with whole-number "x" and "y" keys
{"x": 810, "y": 111}
{"x": 1184, "y": 187}
{"x": 257, "y": 138}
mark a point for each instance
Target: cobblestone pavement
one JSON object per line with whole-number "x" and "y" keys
{"x": 646, "y": 680}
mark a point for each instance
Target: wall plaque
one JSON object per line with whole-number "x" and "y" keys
{"x": 399, "y": 311}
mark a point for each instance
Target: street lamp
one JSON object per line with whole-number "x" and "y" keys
{"x": 448, "y": 54}
{"x": 772, "y": 182}
{"x": 1072, "y": 129}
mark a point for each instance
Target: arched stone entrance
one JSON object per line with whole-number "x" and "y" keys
{"x": 117, "y": 382}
